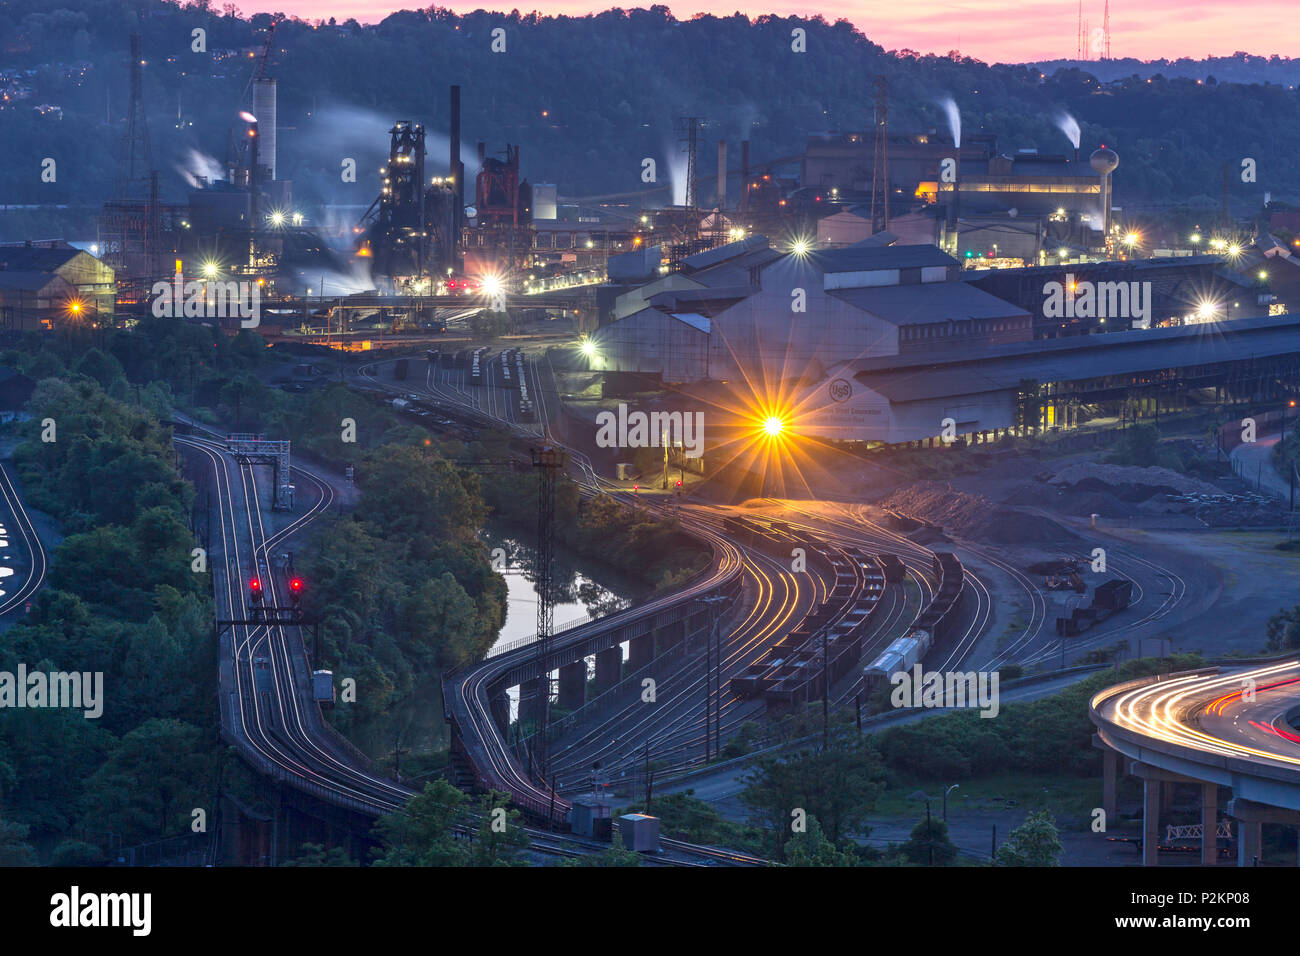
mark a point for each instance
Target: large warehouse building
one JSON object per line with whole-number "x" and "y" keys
{"x": 887, "y": 343}
{"x": 745, "y": 311}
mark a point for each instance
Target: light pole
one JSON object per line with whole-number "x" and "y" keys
{"x": 714, "y": 604}
{"x": 945, "y": 800}
{"x": 929, "y": 827}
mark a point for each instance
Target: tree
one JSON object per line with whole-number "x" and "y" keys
{"x": 14, "y": 850}
{"x": 314, "y": 854}
{"x": 616, "y": 855}
{"x": 838, "y": 786}
{"x": 1283, "y": 629}
{"x": 151, "y": 780}
{"x": 440, "y": 828}
{"x": 1034, "y": 843}
{"x": 931, "y": 833}
{"x": 500, "y": 838}
{"x": 811, "y": 848}
{"x": 422, "y": 832}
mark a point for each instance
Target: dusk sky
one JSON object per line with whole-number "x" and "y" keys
{"x": 990, "y": 30}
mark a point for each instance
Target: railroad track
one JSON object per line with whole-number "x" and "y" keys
{"x": 38, "y": 563}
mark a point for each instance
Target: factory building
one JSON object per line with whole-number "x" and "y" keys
{"x": 748, "y": 312}
{"x": 1170, "y": 291}
{"x": 38, "y": 281}
{"x": 30, "y": 300}
{"x": 1024, "y": 388}
{"x": 975, "y": 202}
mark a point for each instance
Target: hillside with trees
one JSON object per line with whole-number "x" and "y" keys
{"x": 587, "y": 98}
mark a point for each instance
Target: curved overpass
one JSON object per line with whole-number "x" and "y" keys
{"x": 1223, "y": 726}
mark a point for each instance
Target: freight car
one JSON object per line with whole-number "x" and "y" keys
{"x": 900, "y": 656}
{"x": 1109, "y": 598}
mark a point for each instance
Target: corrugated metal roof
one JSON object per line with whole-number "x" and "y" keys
{"x": 735, "y": 272}
{"x": 35, "y": 258}
{"x": 906, "y": 378}
{"x": 928, "y": 302}
{"x": 861, "y": 257}
{"x": 712, "y": 257}
{"x": 669, "y": 299}
{"x": 29, "y": 280}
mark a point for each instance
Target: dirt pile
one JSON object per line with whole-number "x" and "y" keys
{"x": 1128, "y": 482}
{"x": 974, "y": 516}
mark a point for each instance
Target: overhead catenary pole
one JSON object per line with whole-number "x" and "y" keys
{"x": 713, "y": 677}
{"x": 549, "y": 460}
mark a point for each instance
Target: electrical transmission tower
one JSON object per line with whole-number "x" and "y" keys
{"x": 1105, "y": 29}
{"x": 549, "y": 461}
{"x": 880, "y": 160}
{"x": 136, "y": 153}
{"x": 688, "y": 132}
{"x": 1078, "y": 34}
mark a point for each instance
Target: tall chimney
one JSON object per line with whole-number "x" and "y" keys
{"x": 456, "y": 170}
{"x": 744, "y": 176}
{"x": 722, "y": 174}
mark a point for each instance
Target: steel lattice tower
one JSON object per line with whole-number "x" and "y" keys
{"x": 136, "y": 158}
{"x": 548, "y": 460}
{"x": 688, "y": 129}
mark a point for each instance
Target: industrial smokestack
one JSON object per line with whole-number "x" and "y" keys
{"x": 254, "y": 151}
{"x": 264, "y": 110}
{"x": 722, "y": 174}
{"x": 457, "y": 173}
{"x": 744, "y": 175}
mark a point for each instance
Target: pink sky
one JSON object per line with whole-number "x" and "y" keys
{"x": 990, "y": 30}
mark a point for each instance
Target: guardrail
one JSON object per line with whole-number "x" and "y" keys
{"x": 508, "y": 647}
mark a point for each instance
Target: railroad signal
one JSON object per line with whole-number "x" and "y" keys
{"x": 255, "y": 591}
{"x": 295, "y": 595}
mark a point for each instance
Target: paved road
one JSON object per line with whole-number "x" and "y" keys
{"x": 1254, "y": 462}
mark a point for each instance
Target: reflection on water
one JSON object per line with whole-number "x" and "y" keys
{"x": 577, "y": 597}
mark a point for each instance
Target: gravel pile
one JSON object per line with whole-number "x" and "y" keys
{"x": 975, "y": 517}
{"x": 1128, "y": 481}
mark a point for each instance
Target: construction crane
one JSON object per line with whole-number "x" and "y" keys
{"x": 259, "y": 73}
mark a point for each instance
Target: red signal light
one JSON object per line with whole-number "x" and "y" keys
{"x": 295, "y": 585}
{"x": 254, "y": 585}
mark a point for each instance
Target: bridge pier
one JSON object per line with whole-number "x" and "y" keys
{"x": 530, "y": 699}
{"x": 573, "y": 685}
{"x": 1251, "y": 817}
{"x": 609, "y": 667}
{"x": 1209, "y": 824}
{"x": 641, "y": 651}
{"x": 1157, "y": 789}
{"x": 1250, "y": 842}
{"x": 1151, "y": 822}
{"x": 501, "y": 712}
{"x": 1110, "y": 768}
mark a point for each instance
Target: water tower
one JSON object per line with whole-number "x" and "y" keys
{"x": 1103, "y": 163}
